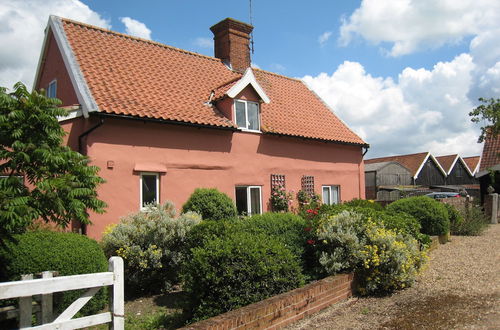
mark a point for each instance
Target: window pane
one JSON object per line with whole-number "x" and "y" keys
{"x": 241, "y": 200}
{"x": 52, "y": 89}
{"x": 255, "y": 200}
{"x": 149, "y": 189}
{"x": 326, "y": 195}
{"x": 253, "y": 115}
{"x": 241, "y": 120}
{"x": 335, "y": 194}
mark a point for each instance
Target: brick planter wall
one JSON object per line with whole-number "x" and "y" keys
{"x": 284, "y": 309}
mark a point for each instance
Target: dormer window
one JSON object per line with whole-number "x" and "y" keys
{"x": 52, "y": 89}
{"x": 247, "y": 115}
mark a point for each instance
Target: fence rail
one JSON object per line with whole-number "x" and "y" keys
{"x": 28, "y": 287}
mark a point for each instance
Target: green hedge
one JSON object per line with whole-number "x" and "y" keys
{"x": 235, "y": 270}
{"x": 432, "y": 215}
{"x": 210, "y": 204}
{"x": 67, "y": 253}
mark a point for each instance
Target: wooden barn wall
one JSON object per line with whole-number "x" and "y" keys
{"x": 393, "y": 175}
{"x": 430, "y": 175}
{"x": 459, "y": 175}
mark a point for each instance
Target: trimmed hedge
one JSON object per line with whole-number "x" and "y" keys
{"x": 236, "y": 270}
{"x": 67, "y": 253}
{"x": 432, "y": 215}
{"x": 363, "y": 203}
{"x": 210, "y": 204}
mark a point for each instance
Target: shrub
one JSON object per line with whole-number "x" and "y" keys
{"x": 151, "y": 244}
{"x": 66, "y": 253}
{"x": 363, "y": 203}
{"x": 210, "y": 204}
{"x": 391, "y": 261}
{"x": 431, "y": 214}
{"x": 238, "y": 269}
{"x": 472, "y": 222}
{"x": 287, "y": 228}
{"x": 383, "y": 259}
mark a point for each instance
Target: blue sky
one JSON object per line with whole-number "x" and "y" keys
{"x": 402, "y": 74}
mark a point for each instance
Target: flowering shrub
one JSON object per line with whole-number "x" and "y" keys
{"x": 385, "y": 260}
{"x": 280, "y": 200}
{"x": 390, "y": 261}
{"x": 151, "y": 244}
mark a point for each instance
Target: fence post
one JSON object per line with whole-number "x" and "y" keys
{"x": 25, "y": 307}
{"x": 47, "y": 304}
{"x": 117, "y": 296}
{"x": 494, "y": 208}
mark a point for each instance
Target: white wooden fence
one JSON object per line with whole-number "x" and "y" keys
{"x": 25, "y": 289}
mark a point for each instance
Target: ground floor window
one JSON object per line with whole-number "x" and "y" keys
{"x": 249, "y": 200}
{"x": 150, "y": 189}
{"x": 331, "y": 195}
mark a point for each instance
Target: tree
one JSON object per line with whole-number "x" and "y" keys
{"x": 40, "y": 178}
{"x": 489, "y": 112}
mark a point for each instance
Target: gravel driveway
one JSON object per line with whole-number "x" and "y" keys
{"x": 460, "y": 289}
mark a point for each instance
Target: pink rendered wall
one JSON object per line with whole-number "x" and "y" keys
{"x": 203, "y": 157}
{"x": 54, "y": 69}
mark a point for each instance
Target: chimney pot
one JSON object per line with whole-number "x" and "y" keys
{"x": 231, "y": 43}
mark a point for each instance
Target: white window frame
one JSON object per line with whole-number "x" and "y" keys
{"x": 249, "y": 199}
{"x": 246, "y": 129}
{"x": 141, "y": 207}
{"x": 330, "y": 193}
{"x": 54, "y": 84}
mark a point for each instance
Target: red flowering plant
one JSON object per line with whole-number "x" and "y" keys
{"x": 281, "y": 200}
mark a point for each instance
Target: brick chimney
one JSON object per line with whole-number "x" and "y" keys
{"x": 231, "y": 43}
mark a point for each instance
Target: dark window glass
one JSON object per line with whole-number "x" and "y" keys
{"x": 241, "y": 200}
{"x": 149, "y": 189}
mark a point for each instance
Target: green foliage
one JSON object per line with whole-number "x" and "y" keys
{"x": 210, "y": 204}
{"x": 67, "y": 253}
{"x": 471, "y": 222}
{"x": 287, "y": 228}
{"x": 44, "y": 179}
{"x": 488, "y": 112}
{"x": 151, "y": 244}
{"x": 363, "y": 203}
{"x": 383, "y": 259}
{"x": 238, "y": 269}
{"x": 432, "y": 215}
{"x": 280, "y": 199}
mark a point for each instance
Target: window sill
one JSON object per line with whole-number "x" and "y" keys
{"x": 249, "y": 130}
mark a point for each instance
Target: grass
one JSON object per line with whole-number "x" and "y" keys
{"x": 153, "y": 312}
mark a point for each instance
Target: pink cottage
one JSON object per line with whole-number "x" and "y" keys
{"x": 161, "y": 121}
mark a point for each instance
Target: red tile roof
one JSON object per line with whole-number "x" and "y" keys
{"x": 413, "y": 162}
{"x": 491, "y": 151}
{"x": 446, "y": 162}
{"x": 472, "y": 162}
{"x": 137, "y": 77}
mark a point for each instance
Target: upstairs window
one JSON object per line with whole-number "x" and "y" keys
{"x": 150, "y": 189}
{"x": 247, "y": 115}
{"x": 52, "y": 89}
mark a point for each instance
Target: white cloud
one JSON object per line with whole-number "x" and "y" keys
{"x": 424, "y": 110}
{"x": 204, "y": 42}
{"x": 278, "y": 67}
{"x": 22, "y": 33}
{"x": 323, "y": 38}
{"x": 414, "y": 25}
{"x": 136, "y": 28}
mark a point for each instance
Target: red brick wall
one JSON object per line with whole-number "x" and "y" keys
{"x": 284, "y": 309}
